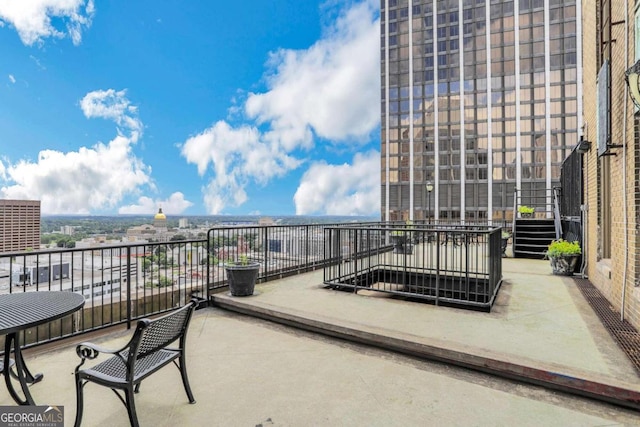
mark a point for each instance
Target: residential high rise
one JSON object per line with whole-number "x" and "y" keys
{"x": 19, "y": 225}
{"x": 478, "y": 98}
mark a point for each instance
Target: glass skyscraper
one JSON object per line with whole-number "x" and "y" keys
{"x": 478, "y": 98}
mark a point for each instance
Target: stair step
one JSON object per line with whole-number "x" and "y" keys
{"x": 533, "y": 244}
{"x": 528, "y": 254}
{"x": 532, "y": 236}
{"x": 521, "y": 251}
{"x": 540, "y": 242}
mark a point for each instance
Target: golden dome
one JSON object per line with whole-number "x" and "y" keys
{"x": 160, "y": 215}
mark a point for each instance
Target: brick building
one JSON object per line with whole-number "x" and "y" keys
{"x": 612, "y": 165}
{"x": 19, "y": 225}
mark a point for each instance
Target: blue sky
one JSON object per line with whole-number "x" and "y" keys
{"x": 254, "y": 107}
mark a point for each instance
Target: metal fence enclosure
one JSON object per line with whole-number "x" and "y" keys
{"x": 458, "y": 265}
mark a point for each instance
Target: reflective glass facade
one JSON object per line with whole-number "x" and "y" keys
{"x": 478, "y": 98}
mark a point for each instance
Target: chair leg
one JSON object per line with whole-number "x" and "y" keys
{"x": 131, "y": 407}
{"x": 185, "y": 379}
{"x": 79, "y": 401}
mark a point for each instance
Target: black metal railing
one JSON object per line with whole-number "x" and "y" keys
{"x": 571, "y": 197}
{"x": 540, "y": 199}
{"x": 123, "y": 283}
{"x": 281, "y": 250}
{"x": 572, "y": 186}
{"x": 557, "y": 219}
{"x": 119, "y": 283}
{"x": 454, "y": 264}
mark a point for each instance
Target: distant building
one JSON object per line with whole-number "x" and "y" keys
{"x": 144, "y": 231}
{"x": 160, "y": 220}
{"x": 67, "y": 230}
{"x": 183, "y": 223}
{"x": 157, "y": 231}
{"x": 266, "y": 221}
{"x": 19, "y": 225}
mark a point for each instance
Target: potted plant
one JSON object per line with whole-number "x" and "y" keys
{"x": 526, "y": 211}
{"x": 400, "y": 242}
{"x": 241, "y": 276}
{"x": 563, "y": 256}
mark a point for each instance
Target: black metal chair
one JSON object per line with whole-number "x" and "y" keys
{"x": 146, "y": 352}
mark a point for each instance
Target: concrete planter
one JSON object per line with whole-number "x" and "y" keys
{"x": 505, "y": 243}
{"x": 564, "y": 265}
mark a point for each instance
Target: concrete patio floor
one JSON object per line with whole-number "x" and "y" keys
{"x": 541, "y": 328}
{"x": 246, "y": 371}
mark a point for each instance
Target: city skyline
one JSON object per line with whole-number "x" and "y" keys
{"x": 253, "y": 108}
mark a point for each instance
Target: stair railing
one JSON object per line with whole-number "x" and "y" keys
{"x": 513, "y": 219}
{"x": 557, "y": 219}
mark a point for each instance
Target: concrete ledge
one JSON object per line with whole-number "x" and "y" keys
{"x": 530, "y": 371}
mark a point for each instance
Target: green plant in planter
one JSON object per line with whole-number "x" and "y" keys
{"x": 242, "y": 260}
{"x": 525, "y": 210}
{"x": 562, "y": 247}
{"x": 563, "y": 256}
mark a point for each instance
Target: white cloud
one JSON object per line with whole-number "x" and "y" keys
{"x": 78, "y": 182}
{"x": 174, "y": 205}
{"x": 236, "y": 155}
{"x": 38, "y": 63}
{"x": 83, "y": 181}
{"x": 32, "y": 18}
{"x": 11, "y": 78}
{"x": 330, "y": 90}
{"x": 113, "y": 105}
{"x": 341, "y": 189}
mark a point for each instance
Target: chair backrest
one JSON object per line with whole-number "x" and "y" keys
{"x": 153, "y": 335}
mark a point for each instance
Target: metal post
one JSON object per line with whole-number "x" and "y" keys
{"x": 437, "y": 268}
{"x": 429, "y": 187}
{"x": 129, "y": 314}
{"x": 265, "y": 253}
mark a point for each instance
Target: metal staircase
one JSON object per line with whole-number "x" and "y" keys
{"x": 532, "y": 236}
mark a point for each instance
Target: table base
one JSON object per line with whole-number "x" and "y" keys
{"x": 20, "y": 372}
{"x": 11, "y": 363}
